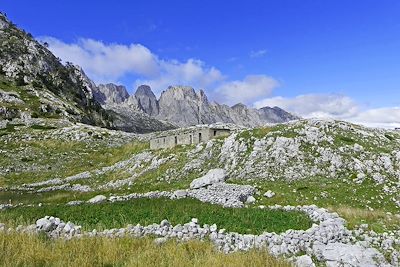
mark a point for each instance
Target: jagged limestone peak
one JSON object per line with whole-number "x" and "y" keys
{"x": 147, "y": 100}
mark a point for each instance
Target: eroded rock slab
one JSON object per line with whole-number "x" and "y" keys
{"x": 213, "y": 176}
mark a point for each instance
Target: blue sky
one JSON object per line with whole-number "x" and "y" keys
{"x": 334, "y": 58}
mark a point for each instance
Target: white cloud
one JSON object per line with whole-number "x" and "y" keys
{"x": 247, "y": 91}
{"x": 315, "y": 105}
{"x": 193, "y": 72}
{"x": 111, "y": 62}
{"x": 337, "y": 107}
{"x": 258, "y": 53}
{"x": 106, "y": 62}
{"x": 379, "y": 117}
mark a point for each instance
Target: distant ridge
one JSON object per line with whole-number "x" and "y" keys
{"x": 183, "y": 106}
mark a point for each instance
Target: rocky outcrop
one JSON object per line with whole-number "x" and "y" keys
{"x": 128, "y": 117}
{"x": 53, "y": 89}
{"x": 180, "y": 105}
{"x": 111, "y": 94}
{"x": 147, "y": 100}
{"x": 339, "y": 254}
{"x": 97, "y": 199}
{"x": 213, "y": 176}
{"x": 275, "y": 114}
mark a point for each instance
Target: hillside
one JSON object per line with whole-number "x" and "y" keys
{"x": 35, "y": 83}
{"x": 346, "y": 168}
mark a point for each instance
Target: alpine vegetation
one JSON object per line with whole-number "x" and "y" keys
{"x": 91, "y": 175}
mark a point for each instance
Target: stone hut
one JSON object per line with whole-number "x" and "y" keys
{"x": 193, "y": 135}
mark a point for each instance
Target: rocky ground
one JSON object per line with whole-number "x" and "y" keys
{"x": 348, "y": 169}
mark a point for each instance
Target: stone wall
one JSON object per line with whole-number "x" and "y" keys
{"x": 187, "y": 137}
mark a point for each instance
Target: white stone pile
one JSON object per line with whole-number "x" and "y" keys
{"x": 327, "y": 240}
{"x": 213, "y": 176}
{"x": 54, "y": 227}
{"x": 227, "y": 195}
{"x": 386, "y": 241}
{"x": 209, "y": 188}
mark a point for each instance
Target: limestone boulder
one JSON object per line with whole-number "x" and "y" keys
{"x": 340, "y": 254}
{"x": 304, "y": 261}
{"x": 97, "y": 199}
{"x": 269, "y": 194}
{"x": 213, "y": 176}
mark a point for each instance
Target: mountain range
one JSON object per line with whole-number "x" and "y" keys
{"x": 183, "y": 106}
{"x": 42, "y": 86}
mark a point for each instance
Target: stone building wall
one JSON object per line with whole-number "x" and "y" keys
{"x": 187, "y": 137}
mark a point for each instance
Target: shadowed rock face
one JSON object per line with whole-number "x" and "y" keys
{"x": 275, "y": 114}
{"x": 147, "y": 100}
{"x": 184, "y": 107}
{"x": 179, "y": 105}
{"x": 111, "y": 94}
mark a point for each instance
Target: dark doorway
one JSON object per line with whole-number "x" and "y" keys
{"x": 215, "y": 133}
{"x": 176, "y": 140}
{"x": 199, "y": 137}
{"x": 191, "y": 139}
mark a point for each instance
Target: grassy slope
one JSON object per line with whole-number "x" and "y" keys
{"x": 148, "y": 211}
{"x": 342, "y": 195}
{"x": 348, "y": 200}
{"x": 31, "y": 101}
{"x": 46, "y": 159}
{"x": 28, "y": 250}
{"x": 357, "y": 203}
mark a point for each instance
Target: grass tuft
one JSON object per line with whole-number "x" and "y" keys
{"x": 31, "y": 250}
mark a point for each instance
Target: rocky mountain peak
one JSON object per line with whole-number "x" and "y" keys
{"x": 179, "y": 104}
{"x": 239, "y": 106}
{"x": 144, "y": 90}
{"x": 111, "y": 94}
{"x": 4, "y": 22}
{"x": 179, "y": 93}
{"x": 276, "y": 114}
{"x": 147, "y": 100}
{"x": 88, "y": 84}
{"x": 202, "y": 95}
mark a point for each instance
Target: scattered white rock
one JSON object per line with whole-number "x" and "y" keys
{"x": 180, "y": 193}
{"x": 75, "y": 203}
{"x": 269, "y": 194}
{"x": 97, "y": 199}
{"x": 339, "y": 254}
{"x": 250, "y": 200}
{"x": 304, "y": 261}
{"x": 213, "y": 176}
{"x": 159, "y": 241}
